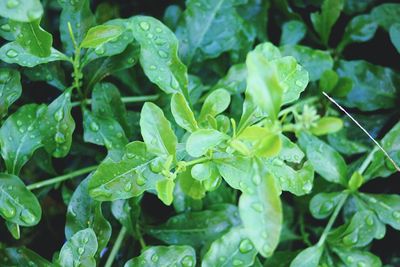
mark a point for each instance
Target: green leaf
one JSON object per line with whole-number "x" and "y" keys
{"x": 356, "y": 180}
{"x": 298, "y": 182}
{"x": 231, "y": 249}
{"x": 361, "y": 28}
{"x": 79, "y": 249}
{"x": 182, "y": 113}
{"x": 159, "y": 54}
{"x": 104, "y": 131}
{"x": 165, "y": 191}
{"x": 377, "y": 90}
{"x": 101, "y": 34}
{"x": 21, "y": 257}
{"x": 323, "y": 21}
{"x": 209, "y": 28}
{"x": 326, "y": 161}
{"x": 323, "y": 204}
{"x": 196, "y": 228}
{"x": 156, "y": 131}
{"x": 124, "y": 179}
{"x": 356, "y": 258}
{"x": 18, "y": 204}
{"x": 14, "y": 229}
{"x": 387, "y": 207}
{"x": 261, "y": 211}
{"x": 386, "y": 14}
{"x": 57, "y": 126}
{"x": 292, "y": 32}
{"x": 215, "y": 103}
{"x": 326, "y": 125}
{"x": 51, "y": 73}
{"x": 20, "y": 136}
{"x": 84, "y": 212}
{"x": 204, "y": 171}
{"x": 190, "y": 186}
{"x": 290, "y": 152}
{"x": 309, "y": 257}
{"x": 127, "y": 212}
{"x": 394, "y": 32}
{"x": 10, "y": 89}
{"x": 33, "y": 38}
{"x": 24, "y": 11}
{"x": 328, "y": 81}
{"x": 315, "y": 61}
{"x": 200, "y": 141}
{"x": 179, "y": 256}
{"x": 81, "y": 18}
{"x": 14, "y": 53}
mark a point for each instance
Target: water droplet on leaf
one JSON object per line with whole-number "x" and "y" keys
{"x": 187, "y": 261}
{"x": 144, "y": 25}
{"x": 94, "y": 126}
{"x": 59, "y": 138}
{"x": 245, "y": 246}
{"x": 12, "y": 3}
{"x": 59, "y": 115}
{"x": 11, "y": 53}
{"x": 27, "y": 217}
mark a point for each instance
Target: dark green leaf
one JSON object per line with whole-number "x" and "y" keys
{"x": 292, "y": 32}
{"x": 51, "y": 73}
{"x": 386, "y": 14}
{"x": 127, "y": 212}
{"x": 361, "y": 28}
{"x": 323, "y": 204}
{"x": 10, "y": 89}
{"x": 394, "y": 32}
{"x": 25, "y": 11}
{"x": 21, "y": 257}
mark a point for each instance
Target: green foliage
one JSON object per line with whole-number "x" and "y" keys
{"x": 203, "y": 141}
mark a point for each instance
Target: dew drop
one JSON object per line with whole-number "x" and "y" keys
{"x": 19, "y": 123}
{"x": 27, "y": 217}
{"x": 59, "y": 115}
{"x": 85, "y": 240}
{"x": 160, "y": 41}
{"x": 100, "y": 50}
{"x": 11, "y": 53}
{"x": 5, "y": 27}
{"x": 307, "y": 187}
{"x": 369, "y": 220}
{"x": 396, "y": 215}
{"x": 187, "y": 261}
{"x": 256, "y": 179}
{"x": 326, "y": 207}
{"x": 153, "y": 67}
{"x": 266, "y": 249}
{"x": 144, "y": 25}
{"x": 237, "y": 262}
{"x": 350, "y": 239}
{"x": 21, "y": 130}
{"x": 257, "y": 207}
{"x": 7, "y": 210}
{"x": 150, "y": 35}
{"x": 350, "y": 259}
{"x": 81, "y": 250}
{"x": 245, "y": 246}
{"x": 361, "y": 264}
{"x": 99, "y": 192}
{"x": 372, "y": 200}
{"x": 158, "y": 30}
{"x": 128, "y": 187}
{"x": 140, "y": 180}
{"x": 59, "y": 138}
{"x": 120, "y": 135}
{"x": 154, "y": 258}
{"x": 94, "y": 126}
{"x": 12, "y": 3}
{"x": 162, "y": 54}
{"x": 264, "y": 234}
{"x": 221, "y": 259}
{"x": 299, "y": 83}
{"x": 277, "y": 162}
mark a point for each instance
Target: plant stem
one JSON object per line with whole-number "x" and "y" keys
{"x": 295, "y": 106}
{"x": 139, "y": 234}
{"x": 332, "y": 219}
{"x": 367, "y": 160}
{"x": 116, "y": 247}
{"x": 61, "y": 178}
{"x": 126, "y": 99}
{"x": 196, "y": 161}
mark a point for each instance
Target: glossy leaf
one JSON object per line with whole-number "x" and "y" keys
{"x": 261, "y": 211}
{"x": 159, "y": 54}
{"x": 323, "y": 204}
{"x": 377, "y": 90}
{"x": 314, "y": 61}
{"x": 182, "y": 113}
{"x": 165, "y": 191}
{"x": 51, "y": 73}
{"x": 231, "y": 249}
{"x": 84, "y": 212}
{"x": 25, "y": 11}
{"x": 326, "y": 125}
{"x": 17, "y": 204}
{"x": 394, "y": 32}
{"x": 179, "y": 256}
{"x": 20, "y": 136}
{"x": 361, "y": 28}
{"x": 323, "y": 21}
{"x": 156, "y": 131}
{"x": 215, "y": 103}
{"x": 355, "y": 258}
{"x": 79, "y": 249}
{"x": 57, "y": 126}
{"x": 10, "y": 89}
{"x": 328, "y": 81}
{"x": 200, "y": 141}
{"x": 124, "y": 179}
{"x": 196, "y": 228}
{"x": 190, "y": 186}
{"x": 127, "y": 212}
{"x": 101, "y": 34}
{"x": 386, "y": 14}
{"x": 309, "y": 257}
{"x": 21, "y": 257}
{"x": 292, "y": 32}
{"x": 326, "y": 161}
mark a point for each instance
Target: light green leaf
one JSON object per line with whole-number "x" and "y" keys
{"x": 21, "y": 257}
{"x": 200, "y": 141}
{"x": 290, "y": 152}
{"x": 313, "y": 60}
{"x": 204, "y": 171}
{"x": 101, "y": 34}
{"x": 190, "y": 186}
{"x": 231, "y": 249}
{"x": 356, "y": 258}
{"x": 182, "y": 113}
{"x": 309, "y": 257}
{"x": 156, "y": 131}
{"x": 196, "y": 228}
{"x": 328, "y": 81}
{"x": 84, "y": 212}
{"x": 24, "y": 11}
{"x": 261, "y": 211}
{"x": 14, "y": 229}
{"x": 10, "y": 89}
{"x": 125, "y": 179}
{"x": 57, "y": 126}
{"x": 394, "y": 32}
{"x": 323, "y": 21}
{"x": 326, "y": 125}
{"x": 159, "y": 54}
{"x": 165, "y": 191}
{"x": 179, "y": 256}
{"x": 326, "y": 161}
{"x": 215, "y": 103}
{"x": 33, "y": 38}
{"x": 292, "y": 32}
{"x": 20, "y": 136}
{"x": 356, "y": 180}
{"x": 14, "y": 53}
{"x": 323, "y": 204}
{"x": 18, "y": 204}
{"x": 79, "y": 249}
{"x": 377, "y": 90}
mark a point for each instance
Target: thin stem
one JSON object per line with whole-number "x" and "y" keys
{"x": 295, "y": 106}
{"x": 61, "y": 178}
{"x": 116, "y": 247}
{"x": 139, "y": 235}
{"x": 367, "y": 161}
{"x": 196, "y": 161}
{"x": 332, "y": 219}
{"x": 126, "y": 99}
